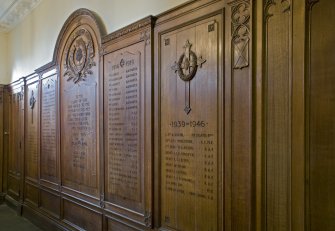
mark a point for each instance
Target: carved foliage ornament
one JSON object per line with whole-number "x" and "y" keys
{"x": 241, "y": 34}
{"x": 79, "y": 56}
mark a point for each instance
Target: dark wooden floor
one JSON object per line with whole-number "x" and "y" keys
{"x": 9, "y": 221}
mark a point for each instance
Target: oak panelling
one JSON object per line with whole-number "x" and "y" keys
{"x": 128, "y": 122}
{"x": 239, "y": 99}
{"x": 278, "y": 114}
{"x": 31, "y": 193}
{"x": 189, "y": 118}
{"x": 115, "y": 225}
{"x": 50, "y": 202}
{"x": 79, "y": 106}
{"x": 80, "y": 217}
{"x": 16, "y": 140}
{"x": 31, "y": 129}
{"x": 321, "y": 116}
{"x": 2, "y": 134}
{"x": 49, "y": 161}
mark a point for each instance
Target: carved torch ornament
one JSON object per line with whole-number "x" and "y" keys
{"x": 79, "y": 56}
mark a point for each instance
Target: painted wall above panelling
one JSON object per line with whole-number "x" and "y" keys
{"x": 31, "y": 43}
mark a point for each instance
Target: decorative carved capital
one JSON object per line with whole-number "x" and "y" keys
{"x": 311, "y": 3}
{"x": 272, "y": 7}
{"x": 145, "y": 36}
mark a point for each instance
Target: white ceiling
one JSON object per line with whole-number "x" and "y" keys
{"x": 12, "y": 12}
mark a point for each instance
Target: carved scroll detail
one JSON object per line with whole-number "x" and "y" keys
{"x": 79, "y": 56}
{"x": 240, "y": 34}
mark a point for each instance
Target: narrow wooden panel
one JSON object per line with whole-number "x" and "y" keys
{"x": 31, "y": 194}
{"x": 81, "y": 217}
{"x": 2, "y": 130}
{"x": 125, "y": 151}
{"x": 189, "y": 127}
{"x": 278, "y": 115}
{"x": 321, "y": 117}
{"x": 50, "y": 203}
{"x": 48, "y": 153}
{"x": 31, "y": 131}
{"x": 79, "y": 111}
{"x": 240, "y": 163}
{"x": 117, "y": 226}
{"x": 124, "y": 118}
{"x": 13, "y": 186}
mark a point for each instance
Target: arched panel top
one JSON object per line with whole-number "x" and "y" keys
{"x": 79, "y": 21}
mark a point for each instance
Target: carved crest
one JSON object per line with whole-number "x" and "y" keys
{"x": 188, "y": 63}
{"x": 79, "y": 56}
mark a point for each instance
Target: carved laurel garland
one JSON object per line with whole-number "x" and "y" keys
{"x": 240, "y": 18}
{"x": 79, "y": 56}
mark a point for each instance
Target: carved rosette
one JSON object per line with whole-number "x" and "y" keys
{"x": 240, "y": 33}
{"x": 79, "y": 56}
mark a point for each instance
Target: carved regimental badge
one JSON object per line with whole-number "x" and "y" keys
{"x": 187, "y": 67}
{"x": 79, "y": 56}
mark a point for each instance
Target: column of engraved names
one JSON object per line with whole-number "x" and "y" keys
{"x": 48, "y": 130}
{"x": 123, "y": 103}
{"x": 190, "y": 162}
{"x": 31, "y": 133}
{"x": 79, "y": 115}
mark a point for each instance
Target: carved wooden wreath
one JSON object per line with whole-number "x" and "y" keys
{"x": 188, "y": 63}
{"x": 79, "y": 56}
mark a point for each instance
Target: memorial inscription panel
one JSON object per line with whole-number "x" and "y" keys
{"x": 31, "y": 123}
{"x": 80, "y": 124}
{"x": 48, "y": 129}
{"x": 124, "y": 149}
{"x": 189, "y": 128}
{"x": 79, "y": 110}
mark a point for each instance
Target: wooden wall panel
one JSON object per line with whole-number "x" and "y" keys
{"x": 239, "y": 117}
{"x": 189, "y": 121}
{"x": 31, "y": 194}
{"x": 31, "y": 131}
{"x": 128, "y": 122}
{"x": 80, "y": 217}
{"x": 2, "y": 134}
{"x": 15, "y": 141}
{"x": 79, "y": 100}
{"x": 278, "y": 114}
{"x": 117, "y": 226}
{"x": 50, "y": 202}
{"x": 48, "y": 138}
{"x": 321, "y": 124}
